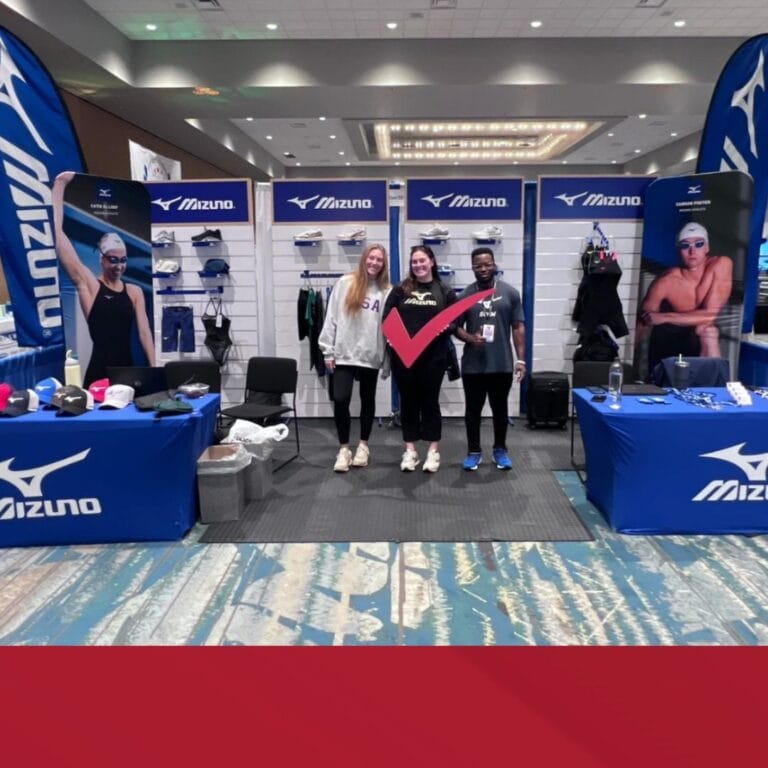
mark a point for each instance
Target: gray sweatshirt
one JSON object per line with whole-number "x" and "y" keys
{"x": 354, "y": 339}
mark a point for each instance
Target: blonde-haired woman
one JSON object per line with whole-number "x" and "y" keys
{"x": 353, "y": 349}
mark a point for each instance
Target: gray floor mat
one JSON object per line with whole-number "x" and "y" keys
{"x": 311, "y": 503}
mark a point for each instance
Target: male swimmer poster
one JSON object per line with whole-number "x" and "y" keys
{"x": 691, "y": 286}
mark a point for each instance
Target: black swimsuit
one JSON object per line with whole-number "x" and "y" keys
{"x": 110, "y": 323}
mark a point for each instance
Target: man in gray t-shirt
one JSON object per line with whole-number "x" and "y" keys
{"x": 488, "y": 366}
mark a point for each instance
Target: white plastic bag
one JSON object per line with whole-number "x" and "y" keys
{"x": 259, "y": 441}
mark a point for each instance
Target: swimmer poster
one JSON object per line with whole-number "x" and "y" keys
{"x": 692, "y": 272}
{"x": 107, "y": 235}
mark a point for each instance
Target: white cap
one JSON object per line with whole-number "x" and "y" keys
{"x": 118, "y": 396}
{"x": 692, "y": 229}
{"x": 111, "y": 242}
{"x": 167, "y": 266}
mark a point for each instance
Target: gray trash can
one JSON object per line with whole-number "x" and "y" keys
{"x": 258, "y": 475}
{"x": 221, "y": 471}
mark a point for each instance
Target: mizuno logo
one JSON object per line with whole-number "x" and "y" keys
{"x": 569, "y": 200}
{"x": 755, "y": 467}
{"x": 421, "y": 295}
{"x": 166, "y": 204}
{"x": 105, "y": 193}
{"x": 29, "y": 482}
{"x": 437, "y": 200}
{"x": 694, "y": 189}
{"x": 302, "y": 203}
{"x": 9, "y": 70}
{"x": 598, "y": 198}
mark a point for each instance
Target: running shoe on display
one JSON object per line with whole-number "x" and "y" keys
{"x": 491, "y": 232}
{"x": 436, "y": 231}
{"x": 207, "y": 236}
{"x": 167, "y": 267}
{"x": 164, "y": 237}
{"x": 309, "y": 234}
{"x": 353, "y": 234}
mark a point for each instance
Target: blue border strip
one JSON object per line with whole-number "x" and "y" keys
{"x": 530, "y": 199}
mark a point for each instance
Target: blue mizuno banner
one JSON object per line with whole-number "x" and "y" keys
{"x": 592, "y": 197}
{"x": 464, "y": 200}
{"x": 201, "y": 202}
{"x": 362, "y": 201}
{"x": 691, "y": 285}
{"x": 735, "y": 137}
{"x": 37, "y": 142}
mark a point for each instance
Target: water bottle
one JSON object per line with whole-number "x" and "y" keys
{"x": 72, "y": 373}
{"x": 615, "y": 379}
{"x": 681, "y": 374}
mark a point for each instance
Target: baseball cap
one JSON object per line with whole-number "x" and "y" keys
{"x": 20, "y": 402}
{"x": 6, "y": 390}
{"x": 111, "y": 242}
{"x": 74, "y": 402}
{"x": 692, "y": 229}
{"x": 118, "y": 396}
{"x": 47, "y": 388}
{"x": 167, "y": 267}
{"x": 98, "y": 388}
{"x": 215, "y": 267}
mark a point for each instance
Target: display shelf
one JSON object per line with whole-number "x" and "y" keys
{"x": 163, "y": 245}
{"x": 180, "y": 291}
{"x": 352, "y": 242}
{"x": 207, "y": 243}
{"x": 166, "y": 275}
{"x": 434, "y": 240}
{"x": 308, "y": 243}
{"x": 446, "y": 272}
{"x": 487, "y": 240}
{"x": 203, "y": 273}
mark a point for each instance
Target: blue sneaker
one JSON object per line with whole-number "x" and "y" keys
{"x": 501, "y": 458}
{"x": 473, "y": 461}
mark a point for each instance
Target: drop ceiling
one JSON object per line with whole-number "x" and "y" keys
{"x": 624, "y": 65}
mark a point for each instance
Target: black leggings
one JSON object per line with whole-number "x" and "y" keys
{"x": 419, "y": 388}
{"x": 341, "y": 383}
{"x": 496, "y": 387}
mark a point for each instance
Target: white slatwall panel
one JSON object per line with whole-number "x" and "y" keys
{"x": 239, "y": 301}
{"x": 559, "y": 245}
{"x": 456, "y": 252}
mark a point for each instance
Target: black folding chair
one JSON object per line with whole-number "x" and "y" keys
{"x": 590, "y": 373}
{"x": 266, "y": 381}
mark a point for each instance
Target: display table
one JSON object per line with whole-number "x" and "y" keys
{"x": 647, "y": 474}
{"x": 108, "y": 475}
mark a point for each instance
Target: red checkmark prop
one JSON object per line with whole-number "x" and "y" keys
{"x": 409, "y": 349}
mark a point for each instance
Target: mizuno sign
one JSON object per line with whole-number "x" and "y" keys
{"x": 467, "y": 201}
{"x": 194, "y": 204}
{"x": 361, "y": 201}
{"x": 606, "y": 197}
{"x": 464, "y": 199}
{"x": 200, "y": 202}
{"x": 735, "y": 137}
{"x": 755, "y": 469}
{"x": 36, "y": 143}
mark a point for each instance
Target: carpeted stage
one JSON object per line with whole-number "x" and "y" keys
{"x": 311, "y": 503}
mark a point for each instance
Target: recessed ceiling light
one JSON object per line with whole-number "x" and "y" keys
{"x": 397, "y": 162}
{"x": 455, "y": 162}
{"x": 642, "y": 116}
{"x": 287, "y": 154}
{"x": 268, "y": 138}
{"x": 536, "y": 24}
{"x": 673, "y": 134}
{"x": 151, "y": 27}
{"x": 680, "y": 23}
{"x": 638, "y": 151}
{"x": 249, "y": 119}
{"x": 613, "y": 162}
{"x": 347, "y": 163}
{"x": 341, "y": 152}
{"x": 321, "y": 118}
{"x": 565, "y": 162}
{"x": 610, "y": 135}
{"x": 514, "y": 162}
{"x": 332, "y": 136}
{"x": 298, "y": 164}
{"x": 271, "y": 27}
{"x": 204, "y": 90}
{"x": 391, "y": 25}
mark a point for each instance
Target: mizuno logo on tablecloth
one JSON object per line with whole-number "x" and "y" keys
{"x": 754, "y": 467}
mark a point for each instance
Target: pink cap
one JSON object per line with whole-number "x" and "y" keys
{"x": 5, "y": 392}
{"x": 98, "y": 388}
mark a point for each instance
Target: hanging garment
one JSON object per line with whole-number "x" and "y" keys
{"x": 216, "y": 331}
{"x": 310, "y": 316}
{"x": 597, "y": 300}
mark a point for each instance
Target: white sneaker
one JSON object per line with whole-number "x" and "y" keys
{"x": 410, "y": 461}
{"x": 362, "y": 455}
{"x": 164, "y": 237}
{"x": 436, "y": 230}
{"x": 343, "y": 460}
{"x": 432, "y": 462}
{"x": 309, "y": 234}
{"x": 491, "y": 232}
{"x": 353, "y": 234}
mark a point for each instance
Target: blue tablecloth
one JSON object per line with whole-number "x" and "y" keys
{"x": 648, "y": 473}
{"x": 101, "y": 477}
{"x": 24, "y": 369}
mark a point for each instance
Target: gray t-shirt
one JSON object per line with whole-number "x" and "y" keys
{"x": 501, "y": 310}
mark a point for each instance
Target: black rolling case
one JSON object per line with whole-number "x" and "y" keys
{"x": 548, "y": 399}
